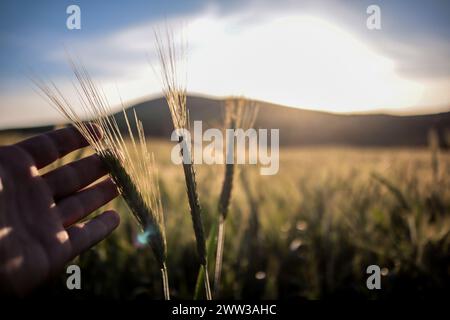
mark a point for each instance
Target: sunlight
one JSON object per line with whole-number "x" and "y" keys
{"x": 62, "y": 236}
{"x": 298, "y": 60}
{"x": 4, "y": 232}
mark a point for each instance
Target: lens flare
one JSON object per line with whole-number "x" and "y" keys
{"x": 143, "y": 237}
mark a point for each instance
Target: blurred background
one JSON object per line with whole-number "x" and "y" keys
{"x": 364, "y": 119}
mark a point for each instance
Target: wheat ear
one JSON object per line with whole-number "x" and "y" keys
{"x": 131, "y": 168}
{"x": 239, "y": 114}
{"x": 175, "y": 94}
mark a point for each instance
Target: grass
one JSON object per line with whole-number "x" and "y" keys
{"x": 308, "y": 232}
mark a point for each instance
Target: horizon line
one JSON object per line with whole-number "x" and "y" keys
{"x": 404, "y": 113}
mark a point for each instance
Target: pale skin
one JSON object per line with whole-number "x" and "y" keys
{"x": 40, "y": 228}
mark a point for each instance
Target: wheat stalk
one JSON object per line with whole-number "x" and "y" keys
{"x": 239, "y": 114}
{"x": 131, "y": 168}
{"x": 171, "y": 60}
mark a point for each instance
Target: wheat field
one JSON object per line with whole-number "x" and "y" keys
{"x": 308, "y": 232}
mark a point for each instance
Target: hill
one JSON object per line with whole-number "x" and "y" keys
{"x": 306, "y": 127}
{"x": 300, "y": 126}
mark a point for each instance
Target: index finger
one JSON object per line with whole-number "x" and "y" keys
{"x": 50, "y": 146}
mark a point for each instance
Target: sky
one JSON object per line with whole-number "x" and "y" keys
{"x": 309, "y": 54}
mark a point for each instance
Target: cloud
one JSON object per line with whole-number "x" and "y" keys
{"x": 424, "y": 58}
{"x": 289, "y": 58}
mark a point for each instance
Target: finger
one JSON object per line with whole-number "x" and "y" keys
{"x": 85, "y": 235}
{"x": 74, "y": 176}
{"x": 50, "y": 146}
{"x": 81, "y": 204}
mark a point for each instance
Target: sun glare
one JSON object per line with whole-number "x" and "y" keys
{"x": 298, "y": 60}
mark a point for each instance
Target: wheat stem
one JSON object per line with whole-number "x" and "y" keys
{"x": 165, "y": 281}
{"x": 207, "y": 285}
{"x": 219, "y": 255}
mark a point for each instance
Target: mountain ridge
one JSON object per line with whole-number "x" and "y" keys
{"x": 297, "y": 126}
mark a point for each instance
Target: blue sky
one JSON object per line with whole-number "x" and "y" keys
{"x": 312, "y": 54}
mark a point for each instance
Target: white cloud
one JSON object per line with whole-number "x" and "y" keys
{"x": 293, "y": 59}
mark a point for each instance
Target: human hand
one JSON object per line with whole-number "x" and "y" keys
{"x": 39, "y": 214}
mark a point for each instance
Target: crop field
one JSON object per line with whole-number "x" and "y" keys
{"x": 308, "y": 232}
